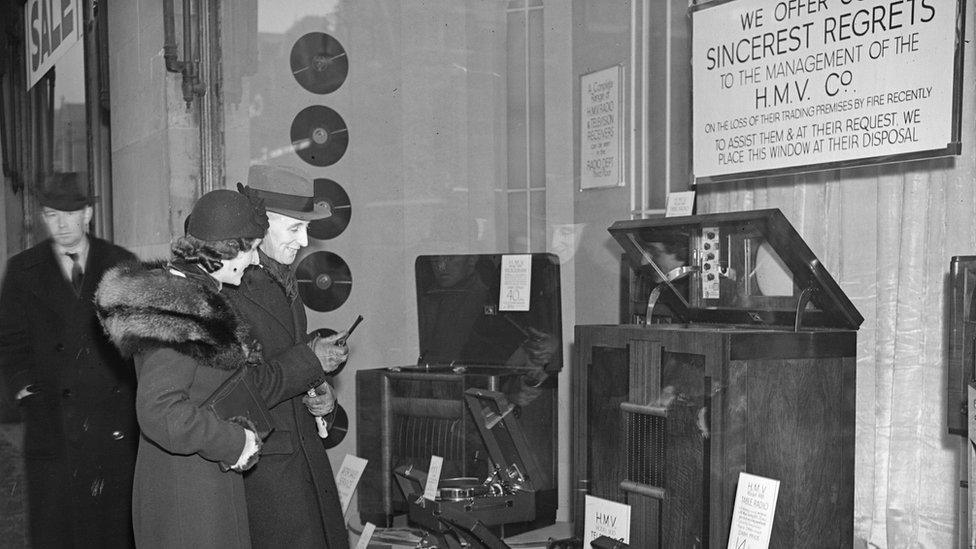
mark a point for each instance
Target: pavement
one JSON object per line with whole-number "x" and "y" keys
{"x": 13, "y": 510}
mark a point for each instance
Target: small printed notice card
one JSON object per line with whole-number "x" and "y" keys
{"x": 755, "y": 506}
{"x": 348, "y": 477}
{"x": 679, "y": 203}
{"x": 515, "y": 282}
{"x": 605, "y": 518}
{"x": 368, "y": 529}
{"x": 433, "y": 477}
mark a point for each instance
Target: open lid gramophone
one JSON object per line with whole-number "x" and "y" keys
{"x": 506, "y": 496}
{"x": 747, "y": 267}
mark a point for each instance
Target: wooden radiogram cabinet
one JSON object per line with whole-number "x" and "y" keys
{"x": 469, "y": 338}
{"x": 749, "y": 370}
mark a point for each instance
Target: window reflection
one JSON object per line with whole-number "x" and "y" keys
{"x": 70, "y": 152}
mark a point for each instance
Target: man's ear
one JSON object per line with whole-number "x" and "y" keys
{"x": 88, "y": 215}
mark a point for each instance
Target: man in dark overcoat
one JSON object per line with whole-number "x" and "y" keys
{"x": 291, "y": 494}
{"x": 75, "y": 391}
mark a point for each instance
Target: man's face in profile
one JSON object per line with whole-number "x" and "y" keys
{"x": 449, "y": 270}
{"x": 285, "y": 236}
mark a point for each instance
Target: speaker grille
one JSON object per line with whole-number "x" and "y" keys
{"x": 646, "y": 454}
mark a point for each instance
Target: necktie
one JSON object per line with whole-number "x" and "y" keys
{"x": 77, "y": 274}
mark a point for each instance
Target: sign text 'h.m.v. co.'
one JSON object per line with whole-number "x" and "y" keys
{"x": 780, "y": 85}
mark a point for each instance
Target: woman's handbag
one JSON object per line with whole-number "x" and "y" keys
{"x": 236, "y": 397}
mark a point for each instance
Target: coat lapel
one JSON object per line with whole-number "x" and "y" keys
{"x": 258, "y": 287}
{"x": 52, "y": 288}
{"x": 94, "y": 267}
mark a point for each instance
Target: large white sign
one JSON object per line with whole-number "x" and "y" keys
{"x": 808, "y": 84}
{"x": 51, "y": 28}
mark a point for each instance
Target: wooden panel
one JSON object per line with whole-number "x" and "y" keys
{"x": 608, "y": 387}
{"x": 960, "y": 283}
{"x": 801, "y": 432}
{"x": 712, "y": 346}
{"x": 372, "y": 439}
{"x": 683, "y": 391}
{"x": 774, "y": 345}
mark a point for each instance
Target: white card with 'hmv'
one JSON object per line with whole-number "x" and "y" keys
{"x": 433, "y": 477}
{"x": 605, "y": 518}
{"x": 752, "y": 516}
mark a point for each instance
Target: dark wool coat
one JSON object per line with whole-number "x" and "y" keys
{"x": 186, "y": 340}
{"x": 80, "y": 426}
{"x": 291, "y": 493}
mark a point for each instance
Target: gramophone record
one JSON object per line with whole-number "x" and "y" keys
{"x": 461, "y": 488}
{"x": 319, "y": 62}
{"x": 338, "y": 427}
{"x": 319, "y": 135}
{"x": 324, "y": 281}
{"x": 332, "y": 193}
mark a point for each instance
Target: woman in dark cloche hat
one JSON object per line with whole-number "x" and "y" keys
{"x": 186, "y": 340}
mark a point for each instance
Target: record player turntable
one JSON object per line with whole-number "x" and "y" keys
{"x": 466, "y": 506}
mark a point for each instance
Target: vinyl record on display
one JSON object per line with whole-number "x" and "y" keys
{"x": 324, "y": 281}
{"x": 338, "y": 427}
{"x": 319, "y": 135}
{"x": 335, "y": 196}
{"x": 319, "y": 62}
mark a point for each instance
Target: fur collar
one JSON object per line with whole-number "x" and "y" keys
{"x": 147, "y": 307}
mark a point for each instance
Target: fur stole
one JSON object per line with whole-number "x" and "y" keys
{"x": 146, "y": 307}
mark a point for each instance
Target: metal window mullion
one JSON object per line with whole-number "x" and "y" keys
{"x": 635, "y": 202}
{"x": 645, "y": 105}
{"x": 528, "y": 132}
{"x": 667, "y": 101}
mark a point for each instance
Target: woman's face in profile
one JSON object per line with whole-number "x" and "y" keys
{"x": 232, "y": 270}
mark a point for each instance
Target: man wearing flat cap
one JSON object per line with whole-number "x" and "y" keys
{"x": 75, "y": 392}
{"x": 291, "y": 494}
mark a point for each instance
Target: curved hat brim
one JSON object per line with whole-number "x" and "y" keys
{"x": 320, "y": 211}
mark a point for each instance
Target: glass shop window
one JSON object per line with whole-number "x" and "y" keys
{"x": 69, "y": 152}
{"x": 424, "y": 121}
{"x": 48, "y": 93}
{"x": 526, "y": 127}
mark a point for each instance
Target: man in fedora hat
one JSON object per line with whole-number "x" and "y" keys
{"x": 75, "y": 391}
{"x": 291, "y": 496}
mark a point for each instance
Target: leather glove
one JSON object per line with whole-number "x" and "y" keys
{"x": 324, "y": 401}
{"x": 331, "y": 356}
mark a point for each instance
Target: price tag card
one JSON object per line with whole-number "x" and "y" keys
{"x": 752, "y": 518}
{"x": 433, "y": 477}
{"x": 515, "y": 283}
{"x": 348, "y": 477}
{"x": 680, "y": 203}
{"x": 367, "y": 535}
